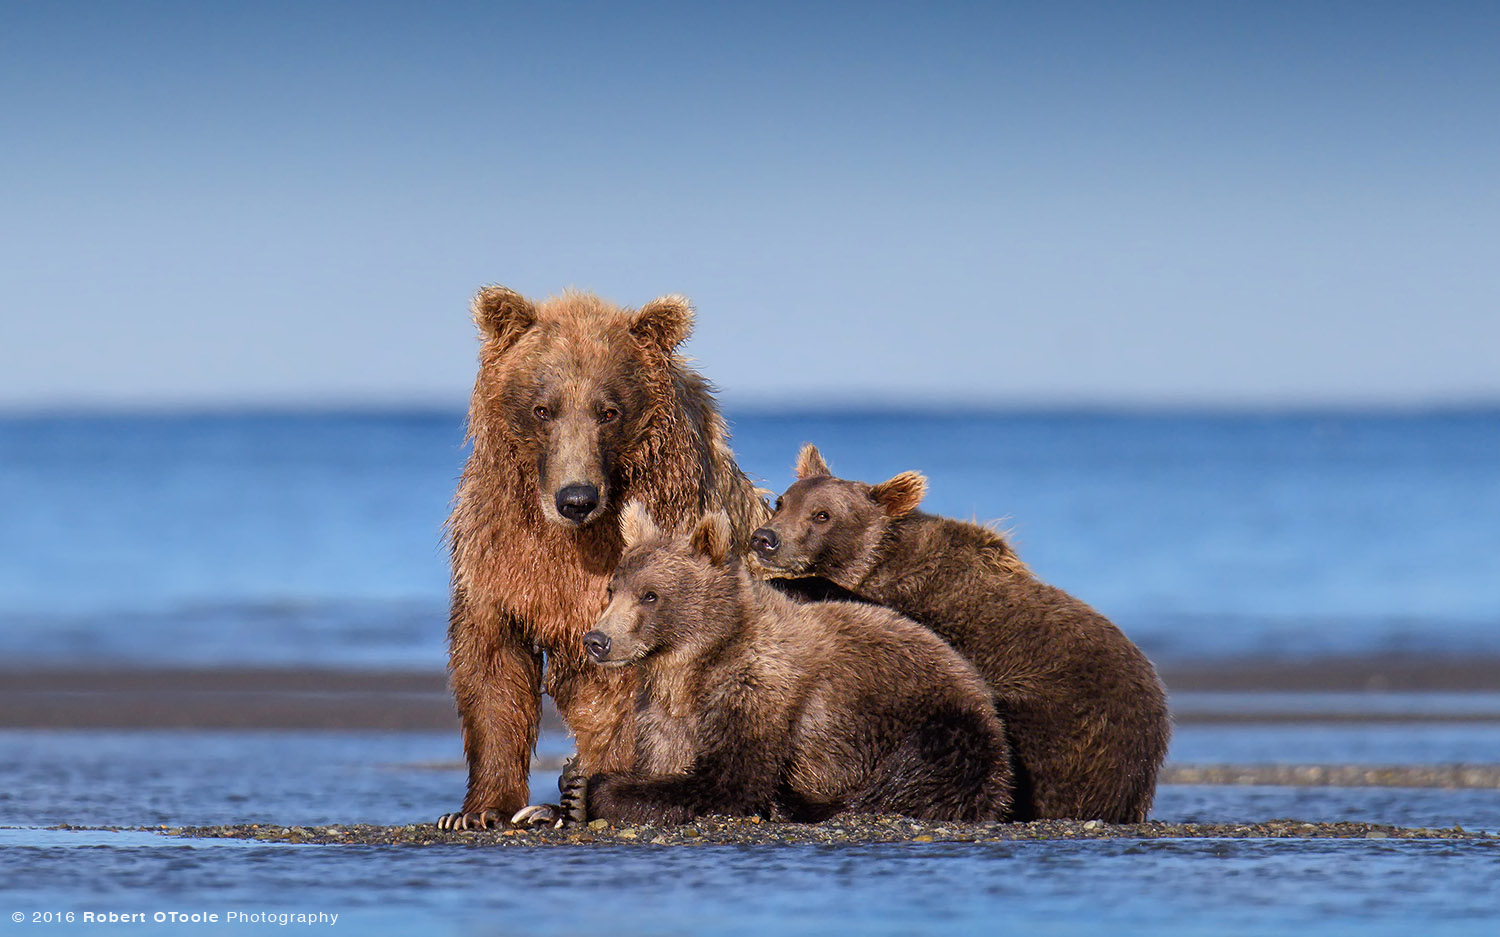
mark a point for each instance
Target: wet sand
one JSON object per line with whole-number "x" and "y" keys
{"x": 203, "y": 698}
{"x": 307, "y": 698}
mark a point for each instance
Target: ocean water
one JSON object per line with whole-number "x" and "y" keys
{"x": 316, "y": 538}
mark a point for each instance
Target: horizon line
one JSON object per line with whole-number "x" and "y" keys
{"x": 762, "y": 407}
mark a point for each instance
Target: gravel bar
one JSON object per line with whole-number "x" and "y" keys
{"x": 842, "y": 831}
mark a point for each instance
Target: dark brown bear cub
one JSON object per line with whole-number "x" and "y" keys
{"x": 752, "y": 704}
{"x": 1083, "y": 709}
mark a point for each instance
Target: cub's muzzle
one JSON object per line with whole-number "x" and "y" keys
{"x": 765, "y": 542}
{"x": 596, "y": 645}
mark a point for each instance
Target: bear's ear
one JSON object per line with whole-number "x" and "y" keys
{"x": 636, "y": 526}
{"x": 502, "y": 314}
{"x": 810, "y": 463}
{"x": 901, "y": 494}
{"x": 664, "y": 322}
{"x": 712, "y": 537}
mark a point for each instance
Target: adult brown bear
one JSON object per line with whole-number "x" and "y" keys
{"x": 579, "y": 406}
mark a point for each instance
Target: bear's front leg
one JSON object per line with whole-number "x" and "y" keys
{"x": 496, "y": 678}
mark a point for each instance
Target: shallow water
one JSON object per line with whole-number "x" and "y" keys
{"x": 174, "y": 778}
{"x": 1435, "y": 706}
{"x": 1357, "y": 743}
{"x": 1162, "y": 887}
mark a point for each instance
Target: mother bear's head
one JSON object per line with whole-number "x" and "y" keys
{"x": 582, "y": 395}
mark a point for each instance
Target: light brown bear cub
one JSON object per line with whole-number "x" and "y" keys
{"x": 752, "y": 704}
{"x": 1083, "y": 709}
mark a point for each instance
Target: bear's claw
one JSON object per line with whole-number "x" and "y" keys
{"x": 537, "y": 815}
{"x": 472, "y": 820}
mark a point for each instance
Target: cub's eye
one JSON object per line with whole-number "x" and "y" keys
{"x": 821, "y": 517}
{"x": 648, "y": 597}
{"x": 542, "y": 413}
{"x": 608, "y": 415}
{"x": 609, "y": 592}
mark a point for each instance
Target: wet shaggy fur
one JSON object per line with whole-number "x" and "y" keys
{"x": 573, "y": 394}
{"x": 751, "y": 703}
{"x": 1085, "y": 713}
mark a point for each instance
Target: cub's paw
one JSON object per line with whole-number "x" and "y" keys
{"x": 472, "y": 820}
{"x": 574, "y": 786}
{"x": 537, "y": 815}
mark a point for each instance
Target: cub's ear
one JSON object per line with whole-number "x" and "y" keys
{"x": 502, "y": 314}
{"x": 636, "y": 526}
{"x": 712, "y": 537}
{"x": 901, "y": 494}
{"x": 664, "y": 322}
{"x": 810, "y": 463}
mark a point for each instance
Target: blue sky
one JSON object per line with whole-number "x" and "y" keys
{"x": 1014, "y": 204}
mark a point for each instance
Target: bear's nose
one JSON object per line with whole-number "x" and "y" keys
{"x": 596, "y": 643}
{"x": 764, "y": 541}
{"x": 575, "y": 502}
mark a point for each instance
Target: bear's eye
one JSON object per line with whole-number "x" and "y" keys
{"x": 542, "y": 413}
{"x": 821, "y": 517}
{"x": 648, "y": 597}
{"x": 608, "y": 415}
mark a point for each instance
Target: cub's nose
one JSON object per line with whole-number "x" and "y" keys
{"x": 596, "y": 643}
{"x": 764, "y": 541}
{"x": 575, "y": 502}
